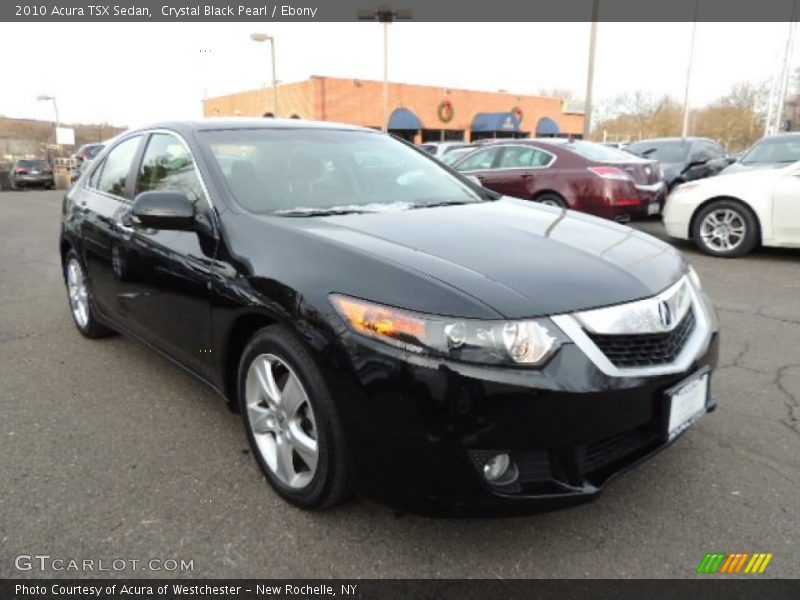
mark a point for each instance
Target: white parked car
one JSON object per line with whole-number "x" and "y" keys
{"x": 729, "y": 215}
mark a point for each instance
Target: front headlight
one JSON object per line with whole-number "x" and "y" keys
{"x": 694, "y": 277}
{"x": 529, "y": 342}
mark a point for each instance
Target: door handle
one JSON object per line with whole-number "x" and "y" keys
{"x": 124, "y": 228}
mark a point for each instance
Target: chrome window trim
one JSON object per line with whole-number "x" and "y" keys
{"x": 698, "y": 342}
{"x": 553, "y": 159}
{"x": 147, "y": 133}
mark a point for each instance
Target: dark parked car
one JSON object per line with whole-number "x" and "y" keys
{"x": 27, "y": 173}
{"x": 385, "y": 325}
{"x": 88, "y": 152}
{"x": 771, "y": 152}
{"x": 571, "y": 174}
{"x": 683, "y": 159}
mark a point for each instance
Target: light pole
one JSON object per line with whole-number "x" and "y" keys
{"x": 587, "y": 112}
{"x": 685, "y": 129}
{"x": 45, "y": 98}
{"x": 384, "y": 14}
{"x": 263, "y": 37}
{"x": 784, "y": 80}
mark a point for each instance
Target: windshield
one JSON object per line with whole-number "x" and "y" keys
{"x": 304, "y": 172}
{"x": 774, "y": 150}
{"x": 454, "y": 155}
{"x": 33, "y": 164}
{"x": 597, "y": 152}
{"x": 672, "y": 151}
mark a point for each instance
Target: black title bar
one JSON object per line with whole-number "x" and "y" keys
{"x": 417, "y": 10}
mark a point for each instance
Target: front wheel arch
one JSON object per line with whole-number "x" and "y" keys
{"x": 743, "y": 204}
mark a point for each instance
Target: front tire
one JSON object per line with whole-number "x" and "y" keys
{"x": 726, "y": 228}
{"x": 550, "y": 199}
{"x": 79, "y": 294}
{"x": 291, "y": 420}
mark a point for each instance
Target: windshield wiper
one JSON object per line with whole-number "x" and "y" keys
{"x": 318, "y": 212}
{"x": 443, "y": 203}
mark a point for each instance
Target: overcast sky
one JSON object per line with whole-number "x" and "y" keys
{"x": 135, "y": 73}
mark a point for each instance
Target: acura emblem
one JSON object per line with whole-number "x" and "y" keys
{"x": 665, "y": 314}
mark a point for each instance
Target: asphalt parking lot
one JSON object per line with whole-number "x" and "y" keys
{"x": 108, "y": 451}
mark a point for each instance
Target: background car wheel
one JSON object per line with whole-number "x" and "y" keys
{"x": 80, "y": 299}
{"x": 552, "y": 200}
{"x": 725, "y": 228}
{"x": 291, "y": 420}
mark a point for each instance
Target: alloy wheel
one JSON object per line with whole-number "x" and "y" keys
{"x": 282, "y": 421}
{"x": 78, "y": 293}
{"x": 723, "y": 230}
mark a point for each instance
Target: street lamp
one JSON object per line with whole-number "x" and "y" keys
{"x": 263, "y": 37}
{"x": 384, "y": 14}
{"x": 45, "y": 98}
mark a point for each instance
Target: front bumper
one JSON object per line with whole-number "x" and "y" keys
{"x": 419, "y": 427}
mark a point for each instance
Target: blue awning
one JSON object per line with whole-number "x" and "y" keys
{"x": 494, "y": 122}
{"x": 402, "y": 118}
{"x": 547, "y": 126}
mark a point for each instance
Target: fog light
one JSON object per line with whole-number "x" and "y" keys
{"x": 496, "y": 467}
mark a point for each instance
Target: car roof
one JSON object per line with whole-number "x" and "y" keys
{"x": 673, "y": 139}
{"x": 217, "y": 123}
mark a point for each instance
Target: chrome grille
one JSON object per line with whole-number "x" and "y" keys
{"x": 638, "y": 350}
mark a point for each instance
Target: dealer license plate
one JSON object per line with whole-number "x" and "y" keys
{"x": 688, "y": 403}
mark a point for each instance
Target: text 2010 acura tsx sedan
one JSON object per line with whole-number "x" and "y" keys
{"x": 383, "y": 324}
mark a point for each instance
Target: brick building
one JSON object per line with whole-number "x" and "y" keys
{"x": 416, "y": 112}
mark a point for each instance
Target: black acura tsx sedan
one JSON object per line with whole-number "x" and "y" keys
{"x": 383, "y": 324}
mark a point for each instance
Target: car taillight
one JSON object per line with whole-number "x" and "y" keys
{"x": 627, "y": 202}
{"x": 49, "y": 170}
{"x": 21, "y": 171}
{"x": 610, "y": 173}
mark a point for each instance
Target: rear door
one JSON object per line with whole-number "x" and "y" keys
{"x": 106, "y": 197}
{"x": 519, "y": 169}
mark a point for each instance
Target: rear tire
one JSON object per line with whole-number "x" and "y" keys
{"x": 291, "y": 420}
{"x": 551, "y": 199}
{"x": 726, "y": 228}
{"x": 79, "y": 295}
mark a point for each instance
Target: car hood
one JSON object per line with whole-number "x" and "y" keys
{"x": 738, "y": 167}
{"x": 520, "y": 258}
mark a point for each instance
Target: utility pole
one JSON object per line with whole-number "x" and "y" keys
{"x": 587, "y": 115}
{"x": 685, "y": 129}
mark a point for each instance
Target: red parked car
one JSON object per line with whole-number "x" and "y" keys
{"x": 570, "y": 173}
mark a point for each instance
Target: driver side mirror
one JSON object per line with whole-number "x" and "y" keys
{"x": 698, "y": 158}
{"x": 164, "y": 210}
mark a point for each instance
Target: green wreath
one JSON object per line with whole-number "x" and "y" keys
{"x": 517, "y": 111}
{"x": 445, "y": 111}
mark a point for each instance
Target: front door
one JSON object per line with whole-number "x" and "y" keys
{"x": 786, "y": 209}
{"x": 165, "y": 275}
